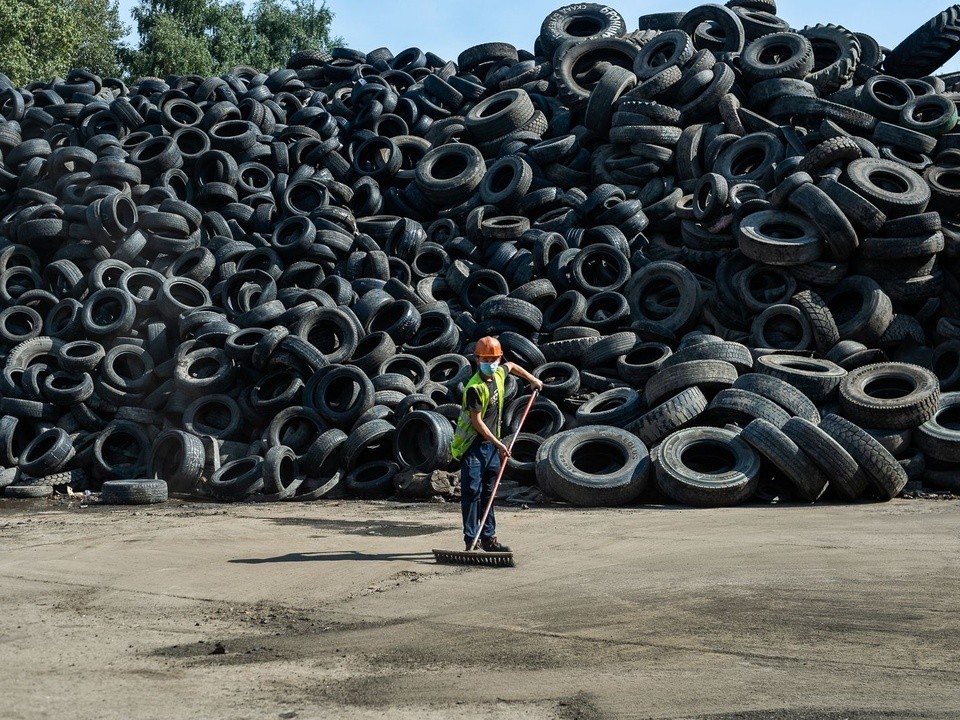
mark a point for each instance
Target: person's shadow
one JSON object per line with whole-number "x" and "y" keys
{"x": 420, "y": 557}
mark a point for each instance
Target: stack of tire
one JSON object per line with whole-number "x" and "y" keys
{"x": 728, "y": 247}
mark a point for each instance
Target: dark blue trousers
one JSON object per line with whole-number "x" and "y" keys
{"x": 478, "y": 472}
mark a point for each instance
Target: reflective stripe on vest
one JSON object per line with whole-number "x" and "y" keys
{"x": 465, "y": 433}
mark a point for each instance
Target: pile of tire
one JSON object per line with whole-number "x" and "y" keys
{"x": 728, "y": 248}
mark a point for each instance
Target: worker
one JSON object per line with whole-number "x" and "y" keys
{"x": 476, "y": 441}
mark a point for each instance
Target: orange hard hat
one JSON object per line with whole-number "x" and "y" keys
{"x": 488, "y": 347}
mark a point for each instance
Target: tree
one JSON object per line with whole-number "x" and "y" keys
{"x": 179, "y": 37}
{"x": 283, "y": 29}
{"x": 41, "y": 39}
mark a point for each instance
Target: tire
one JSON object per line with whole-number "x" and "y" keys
{"x": 616, "y": 408}
{"x": 422, "y": 441}
{"x": 607, "y": 349}
{"x": 450, "y": 173}
{"x": 847, "y": 480}
{"x": 281, "y": 473}
{"x": 835, "y": 229}
{"x": 119, "y": 450}
{"x": 884, "y": 97}
{"x": 65, "y": 389}
{"x": 521, "y": 465}
{"x": 571, "y": 60}
{"x": 340, "y": 395}
{"x": 81, "y": 356}
{"x": 726, "y": 31}
{"x": 108, "y": 313}
{"x": 178, "y": 458}
{"x": 891, "y": 395}
{"x": 860, "y": 211}
{"x": 308, "y": 58}
{"x": 896, "y": 442}
{"x": 521, "y": 349}
{"x": 560, "y": 380}
{"x": 598, "y": 466}
{"x": 927, "y": 48}
{"x": 781, "y": 392}
{"x": 862, "y": 311}
{"x": 642, "y": 362}
{"x": 822, "y": 325}
{"x": 133, "y": 492}
{"x": 780, "y": 238}
{"x": 887, "y": 477}
{"x": 516, "y": 312}
{"x": 707, "y": 467}
{"x": 332, "y": 332}
{"x": 939, "y": 437}
{"x": 902, "y": 192}
{"x": 372, "y": 441}
{"x": 734, "y": 353}
{"x": 739, "y": 162}
{"x": 815, "y": 378}
{"x": 567, "y": 309}
{"x": 372, "y": 351}
{"x": 19, "y": 323}
{"x": 47, "y": 453}
{"x": 708, "y": 375}
{"x": 237, "y": 479}
{"x": 371, "y": 480}
{"x": 321, "y": 464}
{"x": 677, "y": 412}
{"x": 201, "y": 371}
{"x": 741, "y": 407}
{"x": 25, "y": 492}
{"x": 214, "y": 415}
{"x": 916, "y": 115}
{"x": 644, "y": 290}
{"x": 544, "y": 419}
{"x": 499, "y": 115}
{"x": 836, "y": 54}
{"x": 583, "y": 21}
{"x": 671, "y": 48}
{"x": 781, "y": 327}
{"x": 777, "y": 55}
{"x": 789, "y": 459}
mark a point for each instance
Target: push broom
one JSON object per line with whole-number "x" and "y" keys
{"x": 471, "y": 556}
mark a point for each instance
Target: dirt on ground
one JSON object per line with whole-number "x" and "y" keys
{"x": 338, "y": 610}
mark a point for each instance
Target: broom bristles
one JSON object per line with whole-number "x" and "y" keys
{"x": 488, "y": 559}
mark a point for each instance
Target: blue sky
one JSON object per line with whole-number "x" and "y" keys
{"x": 446, "y": 27}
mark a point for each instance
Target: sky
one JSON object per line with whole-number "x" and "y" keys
{"x": 445, "y": 27}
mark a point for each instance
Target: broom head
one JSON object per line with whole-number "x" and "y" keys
{"x": 474, "y": 557}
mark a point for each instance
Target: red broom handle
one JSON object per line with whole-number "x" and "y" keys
{"x": 503, "y": 466}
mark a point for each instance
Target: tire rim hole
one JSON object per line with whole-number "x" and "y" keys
{"x": 889, "y": 388}
{"x": 949, "y": 418}
{"x": 748, "y": 161}
{"x": 708, "y": 457}
{"x": 582, "y": 27}
{"x": 825, "y": 54}
{"x": 598, "y": 458}
{"x": 889, "y": 182}
{"x": 775, "y": 54}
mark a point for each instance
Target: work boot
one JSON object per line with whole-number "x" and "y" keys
{"x": 491, "y": 544}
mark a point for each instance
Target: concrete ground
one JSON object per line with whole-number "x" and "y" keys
{"x": 337, "y": 610}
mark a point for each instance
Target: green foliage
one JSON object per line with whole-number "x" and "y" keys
{"x": 285, "y": 28}
{"x": 211, "y": 36}
{"x": 41, "y": 39}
